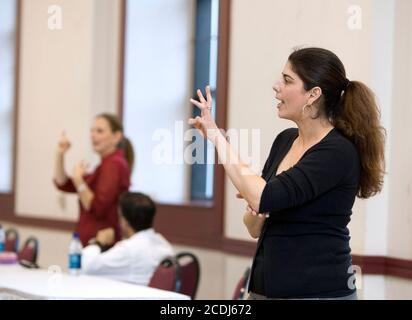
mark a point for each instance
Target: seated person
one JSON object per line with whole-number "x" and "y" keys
{"x": 135, "y": 258}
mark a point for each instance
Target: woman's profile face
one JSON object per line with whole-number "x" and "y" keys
{"x": 104, "y": 140}
{"x": 291, "y": 93}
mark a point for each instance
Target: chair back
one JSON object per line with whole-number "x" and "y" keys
{"x": 166, "y": 276}
{"x": 12, "y": 241}
{"x": 29, "y": 251}
{"x": 190, "y": 273}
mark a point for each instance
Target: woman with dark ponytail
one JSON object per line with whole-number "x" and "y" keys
{"x": 99, "y": 191}
{"x": 300, "y": 207}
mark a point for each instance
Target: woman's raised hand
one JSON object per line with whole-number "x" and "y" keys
{"x": 64, "y": 144}
{"x": 205, "y": 123}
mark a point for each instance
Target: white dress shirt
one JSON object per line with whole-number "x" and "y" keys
{"x": 132, "y": 260}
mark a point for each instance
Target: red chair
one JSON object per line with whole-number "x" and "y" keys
{"x": 190, "y": 273}
{"x": 28, "y": 254}
{"x": 12, "y": 241}
{"x": 241, "y": 287}
{"x": 166, "y": 276}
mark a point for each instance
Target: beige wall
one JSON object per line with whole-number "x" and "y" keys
{"x": 398, "y": 289}
{"x": 400, "y": 205}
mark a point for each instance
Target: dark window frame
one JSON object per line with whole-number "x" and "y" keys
{"x": 202, "y": 62}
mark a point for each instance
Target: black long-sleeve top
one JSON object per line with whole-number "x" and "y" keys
{"x": 303, "y": 250}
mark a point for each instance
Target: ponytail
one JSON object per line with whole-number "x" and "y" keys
{"x": 352, "y": 109}
{"x": 359, "y": 120}
{"x": 127, "y": 147}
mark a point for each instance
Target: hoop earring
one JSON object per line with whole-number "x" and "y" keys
{"x": 304, "y": 108}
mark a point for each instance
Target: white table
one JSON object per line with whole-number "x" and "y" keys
{"x": 17, "y": 282}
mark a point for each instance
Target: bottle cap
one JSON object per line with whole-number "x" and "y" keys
{"x": 76, "y": 235}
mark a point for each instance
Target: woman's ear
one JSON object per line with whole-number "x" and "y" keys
{"x": 314, "y": 95}
{"x": 118, "y": 136}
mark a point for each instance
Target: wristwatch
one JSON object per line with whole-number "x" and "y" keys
{"x": 102, "y": 247}
{"x": 93, "y": 241}
{"x": 81, "y": 188}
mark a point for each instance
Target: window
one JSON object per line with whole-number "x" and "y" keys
{"x": 206, "y": 52}
{"x": 171, "y": 50}
{"x": 7, "y": 76}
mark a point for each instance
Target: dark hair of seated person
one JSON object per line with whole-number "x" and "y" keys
{"x": 138, "y": 210}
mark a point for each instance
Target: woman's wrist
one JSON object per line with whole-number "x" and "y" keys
{"x": 60, "y": 153}
{"x": 215, "y": 135}
{"x": 95, "y": 242}
{"x": 78, "y": 182}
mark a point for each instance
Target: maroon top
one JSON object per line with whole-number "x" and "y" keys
{"x": 110, "y": 179}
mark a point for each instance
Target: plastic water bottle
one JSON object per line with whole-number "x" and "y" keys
{"x": 75, "y": 255}
{"x": 2, "y": 239}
